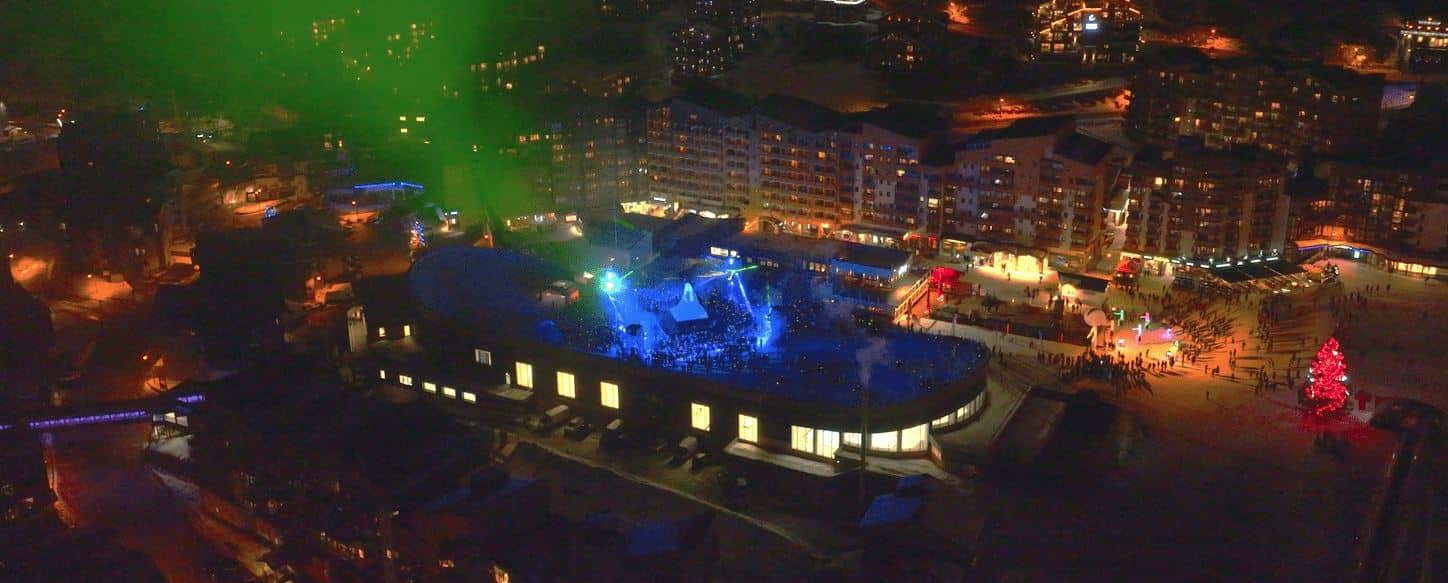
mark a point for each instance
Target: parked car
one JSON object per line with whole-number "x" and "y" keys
{"x": 700, "y": 461}
{"x": 577, "y": 429}
{"x": 684, "y": 450}
{"x": 550, "y": 419}
{"x": 614, "y": 435}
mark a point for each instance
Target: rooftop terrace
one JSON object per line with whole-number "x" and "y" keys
{"x": 767, "y": 330}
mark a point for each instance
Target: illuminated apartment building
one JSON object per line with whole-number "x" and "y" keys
{"x": 594, "y": 157}
{"x": 893, "y": 186}
{"x": 1037, "y": 183}
{"x": 1279, "y": 107}
{"x": 797, "y": 170}
{"x": 1423, "y": 46}
{"x": 1091, "y": 31}
{"x": 841, "y": 12}
{"x": 792, "y": 166}
{"x": 1396, "y": 210}
{"x": 714, "y": 36}
{"x": 741, "y": 19}
{"x": 907, "y": 38}
{"x": 699, "y": 153}
{"x": 1200, "y": 204}
{"x": 797, "y": 167}
{"x": 502, "y": 72}
{"x": 702, "y": 50}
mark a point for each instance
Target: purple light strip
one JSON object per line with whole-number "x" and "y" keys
{"x": 91, "y": 419}
{"x": 385, "y": 185}
{"x": 193, "y": 399}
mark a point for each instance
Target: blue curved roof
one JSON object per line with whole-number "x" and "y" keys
{"x": 496, "y": 290}
{"x": 469, "y": 283}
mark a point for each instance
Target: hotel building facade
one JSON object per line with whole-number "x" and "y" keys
{"x": 1091, "y": 31}
{"x": 1197, "y": 204}
{"x": 1282, "y": 108}
{"x": 1038, "y": 184}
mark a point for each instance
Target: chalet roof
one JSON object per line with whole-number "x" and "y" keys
{"x": 872, "y": 256}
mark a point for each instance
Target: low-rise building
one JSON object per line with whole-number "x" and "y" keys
{"x": 1423, "y": 45}
{"x": 841, "y": 12}
{"x": 773, "y": 382}
{"x": 909, "y": 39}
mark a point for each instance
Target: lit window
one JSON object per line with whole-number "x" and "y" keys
{"x": 801, "y": 438}
{"x": 608, "y": 394}
{"x": 525, "y": 375}
{"x": 483, "y": 357}
{"x": 382, "y": 374}
{"x": 429, "y": 386}
{"x": 827, "y": 443}
{"x": 407, "y": 329}
{"x": 887, "y": 441}
{"x": 381, "y": 332}
{"x": 565, "y": 385}
{"x": 699, "y": 416}
{"x": 748, "y": 429}
{"x": 470, "y": 397}
{"x": 852, "y": 439}
{"x": 913, "y": 439}
{"x": 943, "y": 421}
{"x": 450, "y": 392}
{"x": 404, "y": 379}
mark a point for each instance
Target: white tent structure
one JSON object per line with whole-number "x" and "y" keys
{"x": 688, "y": 309}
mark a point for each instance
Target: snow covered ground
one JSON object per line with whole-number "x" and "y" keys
{"x": 1208, "y": 479}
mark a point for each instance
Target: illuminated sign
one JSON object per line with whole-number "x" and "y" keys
{"x": 1091, "y": 23}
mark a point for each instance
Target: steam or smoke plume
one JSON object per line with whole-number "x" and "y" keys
{"x": 875, "y": 351}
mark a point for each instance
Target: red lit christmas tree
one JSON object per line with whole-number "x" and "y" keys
{"x": 1326, "y": 389}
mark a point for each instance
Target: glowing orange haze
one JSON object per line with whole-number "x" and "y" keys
{"x": 956, "y": 11}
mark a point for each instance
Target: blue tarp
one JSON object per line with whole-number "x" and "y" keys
{"x": 889, "y": 509}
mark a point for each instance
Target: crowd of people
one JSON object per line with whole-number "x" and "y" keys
{"x": 809, "y": 353}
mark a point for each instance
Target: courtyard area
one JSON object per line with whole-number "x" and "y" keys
{"x": 1203, "y": 473}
